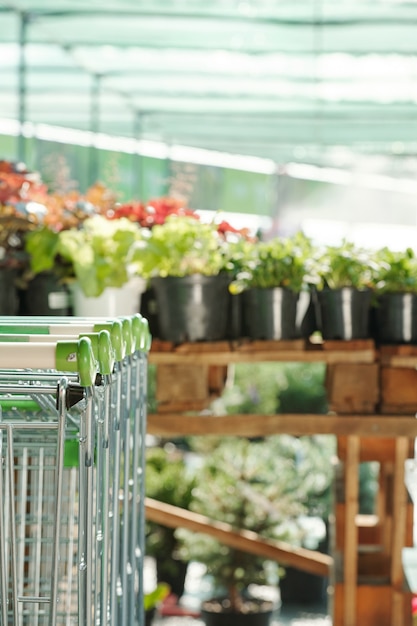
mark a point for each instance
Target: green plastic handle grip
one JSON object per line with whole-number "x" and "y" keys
{"x": 77, "y": 356}
{"x": 144, "y": 337}
{"x": 87, "y": 364}
{"x": 106, "y": 353}
{"x": 127, "y": 335}
{"x": 116, "y": 335}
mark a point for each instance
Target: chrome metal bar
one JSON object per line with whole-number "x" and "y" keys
{"x": 59, "y": 469}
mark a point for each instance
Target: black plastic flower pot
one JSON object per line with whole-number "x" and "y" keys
{"x": 44, "y": 295}
{"x": 234, "y": 316}
{"x": 192, "y": 308}
{"x": 149, "y": 616}
{"x": 9, "y": 302}
{"x": 173, "y": 572}
{"x": 395, "y": 318}
{"x": 149, "y": 310}
{"x": 343, "y": 314}
{"x": 270, "y": 314}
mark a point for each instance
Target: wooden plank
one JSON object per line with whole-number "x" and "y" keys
{"x": 269, "y": 345}
{"x": 212, "y": 357}
{"x": 384, "y": 504}
{"x": 354, "y": 344}
{"x": 400, "y": 500}
{"x": 174, "y": 517}
{"x": 374, "y": 448}
{"x": 404, "y": 355}
{"x": 350, "y": 565}
{"x": 243, "y": 425}
{"x": 177, "y": 406}
{"x": 400, "y": 361}
{"x": 373, "y": 605}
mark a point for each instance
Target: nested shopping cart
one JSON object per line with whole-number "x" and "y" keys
{"x": 73, "y": 425}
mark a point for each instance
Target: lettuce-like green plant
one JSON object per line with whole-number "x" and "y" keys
{"x": 98, "y": 255}
{"x": 182, "y": 246}
{"x": 278, "y": 262}
{"x": 344, "y": 265}
{"x": 396, "y": 271}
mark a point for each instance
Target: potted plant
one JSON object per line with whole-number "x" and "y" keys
{"x": 235, "y": 486}
{"x": 343, "y": 281}
{"x": 186, "y": 262}
{"x": 153, "y": 599}
{"x": 152, "y": 212}
{"x": 96, "y": 259}
{"x": 272, "y": 277}
{"x": 22, "y": 208}
{"x": 395, "y": 311}
{"x": 168, "y": 480}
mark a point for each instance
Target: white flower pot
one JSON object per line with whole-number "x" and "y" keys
{"x": 113, "y": 302}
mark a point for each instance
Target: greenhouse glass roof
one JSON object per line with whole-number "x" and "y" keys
{"x": 287, "y": 80}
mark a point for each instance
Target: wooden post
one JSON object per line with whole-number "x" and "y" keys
{"x": 399, "y": 517}
{"x": 350, "y": 565}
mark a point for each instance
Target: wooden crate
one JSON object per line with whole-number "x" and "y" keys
{"x": 398, "y": 390}
{"x": 352, "y": 387}
{"x": 188, "y": 387}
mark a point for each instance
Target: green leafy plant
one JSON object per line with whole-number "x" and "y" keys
{"x": 181, "y": 246}
{"x": 279, "y": 262}
{"x": 396, "y": 271}
{"x": 345, "y": 265}
{"x": 168, "y": 480}
{"x": 42, "y": 246}
{"x": 156, "y": 596}
{"x": 241, "y": 484}
{"x": 99, "y": 254}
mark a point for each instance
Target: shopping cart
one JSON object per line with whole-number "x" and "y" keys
{"x": 72, "y": 449}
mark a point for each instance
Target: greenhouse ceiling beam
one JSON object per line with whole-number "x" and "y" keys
{"x": 94, "y": 127}
{"x": 22, "y": 86}
{"x": 390, "y": 18}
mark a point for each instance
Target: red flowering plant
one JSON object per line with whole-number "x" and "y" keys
{"x": 240, "y": 243}
{"x": 154, "y": 211}
{"x": 22, "y": 208}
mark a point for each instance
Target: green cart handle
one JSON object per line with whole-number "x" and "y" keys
{"x": 64, "y": 356}
{"x": 77, "y": 356}
{"x": 116, "y": 335}
{"x": 143, "y": 336}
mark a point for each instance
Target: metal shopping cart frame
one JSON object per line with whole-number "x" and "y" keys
{"x": 120, "y": 402}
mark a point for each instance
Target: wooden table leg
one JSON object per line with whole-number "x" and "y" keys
{"x": 399, "y": 517}
{"x": 350, "y": 565}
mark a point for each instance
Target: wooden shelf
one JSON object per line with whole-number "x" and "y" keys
{"x": 372, "y": 411}
{"x": 243, "y": 425}
{"x": 224, "y": 352}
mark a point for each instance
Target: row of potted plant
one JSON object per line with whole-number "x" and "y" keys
{"x": 282, "y": 288}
